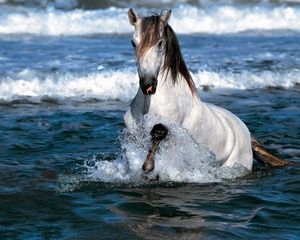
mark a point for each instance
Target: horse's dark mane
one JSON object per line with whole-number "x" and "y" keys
{"x": 174, "y": 62}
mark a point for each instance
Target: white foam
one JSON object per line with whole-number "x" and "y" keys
{"x": 57, "y": 22}
{"x": 215, "y": 19}
{"x": 247, "y": 80}
{"x": 179, "y": 159}
{"x": 123, "y": 84}
{"x": 108, "y": 85}
{"x": 234, "y": 19}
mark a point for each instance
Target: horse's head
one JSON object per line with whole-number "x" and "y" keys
{"x": 149, "y": 43}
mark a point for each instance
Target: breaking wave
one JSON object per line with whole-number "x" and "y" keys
{"x": 186, "y": 19}
{"x": 122, "y": 84}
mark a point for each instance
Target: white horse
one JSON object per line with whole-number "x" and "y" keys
{"x": 168, "y": 91}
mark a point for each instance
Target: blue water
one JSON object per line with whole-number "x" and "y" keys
{"x": 62, "y": 101}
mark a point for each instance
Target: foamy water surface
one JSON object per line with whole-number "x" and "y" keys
{"x": 216, "y": 19}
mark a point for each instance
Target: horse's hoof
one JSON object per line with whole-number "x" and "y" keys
{"x": 159, "y": 132}
{"x": 148, "y": 166}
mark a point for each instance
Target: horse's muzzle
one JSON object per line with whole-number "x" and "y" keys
{"x": 148, "y": 85}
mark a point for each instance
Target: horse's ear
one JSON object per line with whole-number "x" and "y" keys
{"x": 165, "y": 18}
{"x": 133, "y": 18}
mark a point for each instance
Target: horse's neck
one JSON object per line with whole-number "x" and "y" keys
{"x": 174, "y": 92}
{"x": 172, "y": 102}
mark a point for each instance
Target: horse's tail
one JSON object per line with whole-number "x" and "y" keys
{"x": 263, "y": 156}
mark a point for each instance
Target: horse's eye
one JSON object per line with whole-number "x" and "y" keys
{"x": 133, "y": 44}
{"x": 160, "y": 44}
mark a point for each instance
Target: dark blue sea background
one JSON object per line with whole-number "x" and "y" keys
{"x": 67, "y": 77}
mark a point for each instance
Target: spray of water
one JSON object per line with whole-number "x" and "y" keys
{"x": 179, "y": 159}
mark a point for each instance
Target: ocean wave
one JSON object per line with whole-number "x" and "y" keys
{"x": 247, "y": 80}
{"x": 122, "y": 84}
{"x": 186, "y": 19}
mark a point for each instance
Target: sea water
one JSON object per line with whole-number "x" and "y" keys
{"x": 69, "y": 168}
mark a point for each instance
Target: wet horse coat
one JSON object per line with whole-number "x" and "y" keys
{"x": 168, "y": 91}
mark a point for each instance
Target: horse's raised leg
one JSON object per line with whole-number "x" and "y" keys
{"x": 158, "y": 133}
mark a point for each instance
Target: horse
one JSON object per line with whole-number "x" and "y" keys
{"x": 166, "y": 89}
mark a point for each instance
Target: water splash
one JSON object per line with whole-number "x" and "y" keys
{"x": 179, "y": 159}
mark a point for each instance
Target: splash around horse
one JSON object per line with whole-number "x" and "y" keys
{"x": 167, "y": 90}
